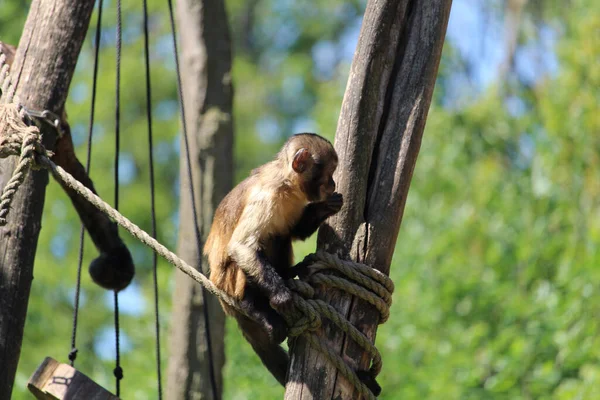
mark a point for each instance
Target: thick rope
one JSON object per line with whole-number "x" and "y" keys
{"x": 8, "y": 90}
{"x": 358, "y": 279}
{"x": 379, "y": 295}
{"x": 16, "y": 138}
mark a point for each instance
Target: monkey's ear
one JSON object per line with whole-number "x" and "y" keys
{"x": 302, "y": 160}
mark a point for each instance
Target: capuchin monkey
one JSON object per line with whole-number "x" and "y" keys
{"x": 249, "y": 247}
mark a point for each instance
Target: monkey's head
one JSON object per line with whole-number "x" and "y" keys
{"x": 312, "y": 160}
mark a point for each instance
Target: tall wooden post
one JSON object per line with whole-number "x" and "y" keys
{"x": 207, "y": 91}
{"x": 378, "y": 139}
{"x": 42, "y": 72}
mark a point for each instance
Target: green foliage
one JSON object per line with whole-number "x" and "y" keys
{"x": 497, "y": 285}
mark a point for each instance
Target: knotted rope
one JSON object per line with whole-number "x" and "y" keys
{"x": 18, "y": 138}
{"x": 359, "y": 280}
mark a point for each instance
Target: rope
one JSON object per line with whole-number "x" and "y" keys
{"x": 4, "y": 73}
{"x": 152, "y": 198}
{"x": 118, "y": 371}
{"x": 18, "y": 138}
{"x": 358, "y": 279}
{"x": 8, "y": 90}
{"x": 377, "y": 290}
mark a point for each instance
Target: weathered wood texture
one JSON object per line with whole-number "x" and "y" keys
{"x": 206, "y": 74}
{"x": 42, "y": 71}
{"x": 378, "y": 138}
{"x": 54, "y": 381}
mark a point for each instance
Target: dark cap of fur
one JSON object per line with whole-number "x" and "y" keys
{"x": 322, "y": 150}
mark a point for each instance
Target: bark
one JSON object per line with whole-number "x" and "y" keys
{"x": 42, "y": 71}
{"x": 378, "y": 138}
{"x": 206, "y": 75}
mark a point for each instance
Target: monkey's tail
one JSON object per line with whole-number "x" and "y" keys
{"x": 273, "y": 356}
{"x": 229, "y": 278}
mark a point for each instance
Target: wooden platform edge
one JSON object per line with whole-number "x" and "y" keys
{"x": 56, "y": 381}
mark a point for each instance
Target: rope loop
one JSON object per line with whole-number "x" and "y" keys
{"x": 17, "y": 138}
{"x": 324, "y": 269}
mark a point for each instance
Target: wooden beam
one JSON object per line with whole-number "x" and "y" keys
{"x": 55, "y": 381}
{"x": 207, "y": 92}
{"x": 378, "y": 139}
{"x": 42, "y": 72}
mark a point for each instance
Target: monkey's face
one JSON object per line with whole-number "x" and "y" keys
{"x": 323, "y": 183}
{"x": 314, "y": 161}
{"x": 315, "y": 175}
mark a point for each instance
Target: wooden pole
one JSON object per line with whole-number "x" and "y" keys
{"x": 378, "y": 139}
{"x": 207, "y": 91}
{"x": 42, "y": 72}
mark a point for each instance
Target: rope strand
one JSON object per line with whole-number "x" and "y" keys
{"x": 73, "y": 352}
{"x": 152, "y": 197}
{"x": 118, "y": 371}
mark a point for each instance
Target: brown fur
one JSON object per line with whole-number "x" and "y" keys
{"x": 249, "y": 246}
{"x": 286, "y": 196}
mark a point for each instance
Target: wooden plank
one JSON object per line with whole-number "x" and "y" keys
{"x": 55, "y": 381}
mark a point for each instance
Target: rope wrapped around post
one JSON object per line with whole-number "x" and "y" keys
{"x": 358, "y": 279}
{"x": 16, "y": 137}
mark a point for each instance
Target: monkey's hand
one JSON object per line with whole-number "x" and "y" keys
{"x": 282, "y": 301}
{"x": 315, "y": 214}
{"x": 334, "y": 204}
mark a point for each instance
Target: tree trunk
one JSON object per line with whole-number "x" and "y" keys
{"x": 42, "y": 72}
{"x": 378, "y": 138}
{"x": 206, "y": 75}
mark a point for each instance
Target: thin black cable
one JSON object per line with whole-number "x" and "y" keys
{"x": 73, "y": 352}
{"x": 118, "y": 371}
{"x": 209, "y": 350}
{"x": 152, "y": 196}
